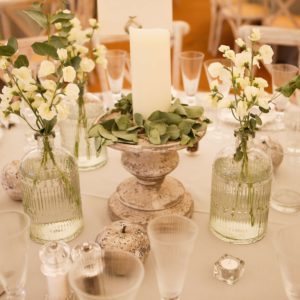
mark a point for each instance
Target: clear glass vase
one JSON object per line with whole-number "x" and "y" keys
{"x": 51, "y": 192}
{"x": 74, "y": 132}
{"x": 240, "y": 196}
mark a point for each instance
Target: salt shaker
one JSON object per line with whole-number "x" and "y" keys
{"x": 56, "y": 263}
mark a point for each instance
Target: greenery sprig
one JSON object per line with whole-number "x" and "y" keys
{"x": 289, "y": 89}
{"x": 182, "y": 123}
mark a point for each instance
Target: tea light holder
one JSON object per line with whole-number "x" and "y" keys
{"x": 126, "y": 236}
{"x": 229, "y": 269}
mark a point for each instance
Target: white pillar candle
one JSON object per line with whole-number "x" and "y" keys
{"x": 150, "y": 70}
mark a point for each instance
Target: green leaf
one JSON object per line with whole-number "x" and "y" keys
{"x": 6, "y": 51}
{"x": 164, "y": 138}
{"x": 238, "y": 155}
{"x": 124, "y": 135}
{"x": 194, "y": 112}
{"x": 263, "y": 109}
{"x": 138, "y": 119}
{"x": 298, "y": 82}
{"x": 21, "y": 61}
{"x": 258, "y": 120}
{"x": 154, "y": 137}
{"x": 93, "y": 131}
{"x": 252, "y": 123}
{"x": 161, "y": 127}
{"x": 37, "y": 16}
{"x": 155, "y": 116}
{"x": 106, "y": 134}
{"x": 123, "y": 122}
{"x": 185, "y": 139}
{"x": 61, "y": 17}
{"x": 58, "y": 42}
{"x": 12, "y": 42}
{"x": 75, "y": 62}
{"x": 185, "y": 126}
{"x": 44, "y": 49}
{"x": 171, "y": 118}
{"x": 173, "y": 131}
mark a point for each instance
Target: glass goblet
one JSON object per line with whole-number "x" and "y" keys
{"x": 172, "y": 241}
{"x": 116, "y": 60}
{"x": 223, "y": 87}
{"x": 191, "y": 66}
{"x": 14, "y": 237}
{"x": 281, "y": 74}
{"x": 119, "y": 277}
{"x": 287, "y": 247}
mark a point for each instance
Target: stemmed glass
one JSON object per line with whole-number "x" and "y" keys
{"x": 223, "y": 87}
{"x": 191, "y": 66}
{"x": 118, "y": 277}
{"x": 172, "y": 241}
{"x": 281, "y": 74}
{"x": 14, "y": 236}
{"x": 287, "y": 246}
{"x": 116, "y": 60}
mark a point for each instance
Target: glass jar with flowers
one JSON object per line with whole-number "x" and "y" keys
{"x": 49, "y": 175}
{"x": 242, "y": 174}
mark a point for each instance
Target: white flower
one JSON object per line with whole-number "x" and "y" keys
{"x": 49, "y": 85}
{"x": 255, "y": 35}
{"x": 263, "y": 102}
{"x": 214, "y": 84}
{"x": 22, "y": 73}
{"x": 72, "y": 91}
{"x": 88, "y": 32}
{"x": 266, "y": 53}
{"x": 66, "y": 11}
{"x": 213, "y": 100}
{"x": 69, "y": 74}
{"x": 3, "y": 63}
{"x": 225, "y": 76}
{"x": 260, "y": 82}
{"x": 48, "y": 95}
{"x": 38, "y": 101}
{"x": 3, "y": 118}
{"x": 93, "y": 22}
{"x": 102, "y": 61}
{"x": 79, "y": 49}
{"x": 214, "y": 69}
{"x": 46, "y": 68}
{"x": 27, "y": 86}
{"x": 224, "y": 103}
{"x": 63, "y": 111}
{"x": 62, "y": 54}
{"x": 78, "y": 36}
{"x": 243, "y": 60}
{"x": 15, "y": 106}
{"x": 6, "y": 96}
{"x": 223, "y": 48}
{"x": 87, "y": 65}
{"x": 229, "y": 54}
{"x": 45, "y": 112}
{"x": 241, "y": 109}
{"x": 75, "y": 22}
{"x": 251, "y": 92}
{"x": 6, "y": 78}
{"x": 243, "y": 82}
{"x": 240, "y": 42}
{"x": 58, "y": 26}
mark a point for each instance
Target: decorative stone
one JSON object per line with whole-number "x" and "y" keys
{"x": 10, "y": 180}
{"x": 126, "y": 236}
{"x": 272, "y": 148}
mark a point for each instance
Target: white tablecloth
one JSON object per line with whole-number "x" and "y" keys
{"x": 261, "y": 280}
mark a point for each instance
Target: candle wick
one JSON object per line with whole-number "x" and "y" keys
{"x": 124, "y": 229}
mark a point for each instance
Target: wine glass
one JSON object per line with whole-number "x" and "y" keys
{"x": 14, "y": 236}
{"x": 191, "y": 66}
{"x": 118, "y": 277}
{"x": 281, "y": 75}
{"x": 116, "y": 60}
{"x": 287, "y": 247}
{"x": 172, "y": 241}
{"x": 223, "y": 87}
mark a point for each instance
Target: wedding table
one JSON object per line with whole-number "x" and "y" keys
{"x": 261, "y": 280}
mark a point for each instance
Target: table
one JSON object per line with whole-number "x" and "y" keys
{"x": 261, "y": 280}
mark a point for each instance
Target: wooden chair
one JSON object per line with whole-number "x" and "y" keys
{"x": 282, "y": 14}
{"x": 274, "y": 35}
{"x": 236, "y": 13}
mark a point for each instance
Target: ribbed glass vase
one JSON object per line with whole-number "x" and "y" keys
{"x": 240, "y": 198}
{"x": 74, "y": 132}
{"x": 51, "y": 192}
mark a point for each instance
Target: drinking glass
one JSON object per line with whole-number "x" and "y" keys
{"x": 116, "y": 60}
{"x": 287, "y": 247}
{"x": 14, "y": 237}
{"x": 191, "y": 66}
{"x": 281, "y": 74}
{"x": 172, "y": 241}
{"x": 223, "y": 87}
{"x": 119, "y": 277}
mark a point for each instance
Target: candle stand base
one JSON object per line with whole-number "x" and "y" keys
{"x": 150, "y": 193}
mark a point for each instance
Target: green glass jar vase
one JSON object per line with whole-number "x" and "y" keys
{"x": 240, "y": 195}
{"x": 51, "y": 192}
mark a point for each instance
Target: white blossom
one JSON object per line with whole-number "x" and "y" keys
{"x": 66, "y": 11}
{"x": 240, "y": 42}
{"x": 49, "y": 85}
{"x": 15, "y": 106}
{"x": 255, "y": 35}
{"x": 241, "y": 109}
{"x": 62, "y": 54}
{"x": 46, "y": 68}
{"x": 243, "y": 60}
{"x": 63, "y": 111}
{"x": 251, "y": 92}
{"x": 261, "y": 82}
{"x": 45, "y": 112}
{"x": 93, "y": 22}
{"x": 266, "y": 52}
{"x": 38, "y": 101}
{"x": 87, "y": 65}
{"x": 243, "y": 82}
{"x": 58, "y": 26}
{"x": 3, "y": 63}
{"x": 6, "y": 78}
{"x": 224, "y": 103}
{"x": 214, "y": 69}
{"x": 224, "y": 48}
{"x": 214, "y": 84}
{"x": 22, "y": 73}
{"x": 69, "y": 74}
{"x": 75, "y": 22}
{"x": 72, "y": 91}
{"x": 229, "y": 54}
{"x": 78, "y": 36}
{"x": 79, "y": 49}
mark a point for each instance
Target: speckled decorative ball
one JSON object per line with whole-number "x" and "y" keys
{"x": 271, "y": 147}
{"x": 126, "y": 236}
{"x": 10, "y": 180}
